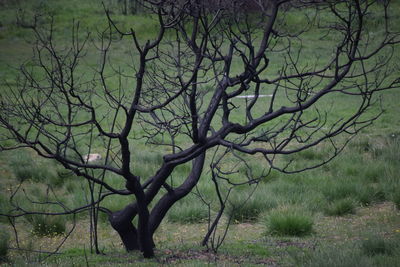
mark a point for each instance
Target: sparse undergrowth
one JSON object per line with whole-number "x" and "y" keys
{"x": 336, "y": 241}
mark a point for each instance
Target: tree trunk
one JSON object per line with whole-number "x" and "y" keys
{"x": 144, "y": 236}
{"x": 121, "y": 221}
{"x": 132, "y": 238}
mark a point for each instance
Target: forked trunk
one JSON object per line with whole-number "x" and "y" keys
{"x": 132, "y": 238}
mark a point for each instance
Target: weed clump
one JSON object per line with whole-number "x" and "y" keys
{"x": 44, "y": 225}
{"x": 340, "y": 207}
{"x": 186, "y": 212}
{"x": 245, "y": 208}
{"x": 289, "y": 222}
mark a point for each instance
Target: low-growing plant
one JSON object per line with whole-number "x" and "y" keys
{"x": 340, "y": 207}
{"x": 289, "y": 222}
{"x": 43, "y": 225}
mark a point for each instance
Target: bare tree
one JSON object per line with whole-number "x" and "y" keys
{"x": 182, "y": 90}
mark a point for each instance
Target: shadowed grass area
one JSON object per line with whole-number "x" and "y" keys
{"x": 4, "y": 244}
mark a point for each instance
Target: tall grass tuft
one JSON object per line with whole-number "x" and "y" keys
{"x": 289, "y": 222}
{"x": 340, "y": 207}
{"x": 339, "y": 189}
{"x": 188, "y": 210}
{"x": 44, "y": 225}
{"x": 243, "y": 207}
{"x": 26, "y": 167}
{"x": 369, "y": 194}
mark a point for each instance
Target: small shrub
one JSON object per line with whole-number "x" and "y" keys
{"x": 4, "y": 237}
{"x": 246, "y": 212}
{"x": 340, "y": 207}
{"x": 374, "y": 245}
{"x": 289, "y": 223}
{"x": 46, "y": 225}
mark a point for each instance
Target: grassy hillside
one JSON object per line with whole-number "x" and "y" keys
{"x": 345, "y": 213}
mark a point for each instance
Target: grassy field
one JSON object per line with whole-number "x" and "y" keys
{"x": 346, "y": 213}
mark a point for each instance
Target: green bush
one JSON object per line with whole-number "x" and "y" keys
{"x": 289, "y": 222}
{"x": 340, "y": 207}
{"x": 4, "y": 237}
{"x": 46, "y": 225}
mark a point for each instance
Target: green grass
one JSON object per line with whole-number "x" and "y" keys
{"x": 43, "y": 225}
{"x": 371, "y": 251}
{"x": 374, "y": 245}
{"x": 333, "y": 257}
{"x": 364, "y": 176}
{"x": 188, "y": 210}
{"x": 246, "y": 206}
{"x": 340, "y": 207}
{"x": 289, "y": 222}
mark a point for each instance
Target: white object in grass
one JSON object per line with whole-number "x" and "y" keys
{"x": 91, "y": 157}
{"x": 252, "y": 96}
